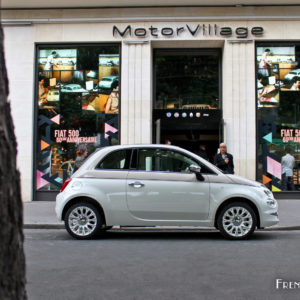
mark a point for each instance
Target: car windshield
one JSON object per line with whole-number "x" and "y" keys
{"x": 293, "y": 72}
{"x": 107, "y": 79}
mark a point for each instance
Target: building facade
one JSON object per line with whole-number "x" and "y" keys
{"x": 192, "y": 75}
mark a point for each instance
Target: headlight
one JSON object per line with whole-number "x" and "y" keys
{"x": 271, "y": 203}
{"x": 270, "y": 200}
{"x": 268, "y": 193}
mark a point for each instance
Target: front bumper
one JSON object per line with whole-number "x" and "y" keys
{"x": 269, "y": 218}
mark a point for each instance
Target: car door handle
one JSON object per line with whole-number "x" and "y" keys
{"x": 136, "y": 184}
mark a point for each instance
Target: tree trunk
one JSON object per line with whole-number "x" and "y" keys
{"x": 12, "y": 260}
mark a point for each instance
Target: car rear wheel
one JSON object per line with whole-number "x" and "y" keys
{"x": 237, "y": 221}
{"x": 83, "y": 221}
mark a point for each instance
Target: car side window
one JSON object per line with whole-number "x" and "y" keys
{"x": 163, "y": 160}
{"x": 117, "y": 160}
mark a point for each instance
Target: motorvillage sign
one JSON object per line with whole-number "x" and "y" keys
{"x": 194, "y": 30}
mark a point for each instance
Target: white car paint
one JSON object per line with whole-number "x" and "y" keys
{"x": 143, "y": 198}
{"x": 74, "y": 88}
{"x": 292, "y": 74}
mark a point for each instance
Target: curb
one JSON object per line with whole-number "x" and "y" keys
{"x": 62, "y": 226}
{"x": 43, "y": 226}
{"x": 281, "y": 228}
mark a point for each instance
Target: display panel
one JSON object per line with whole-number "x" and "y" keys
{"x": 77, "y": 108}
{"x": 278, "y": 115}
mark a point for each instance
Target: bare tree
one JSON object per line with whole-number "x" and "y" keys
{"x": 12, "y": 260}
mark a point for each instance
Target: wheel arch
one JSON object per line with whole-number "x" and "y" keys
{"x": 237, "y": 199}
{"x": 84, "y": 199}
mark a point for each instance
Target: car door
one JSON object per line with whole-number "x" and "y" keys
{"x": 161, "y": 188}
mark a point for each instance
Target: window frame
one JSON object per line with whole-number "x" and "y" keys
{"x": 176, "y": 151}
{"x": 48, "y": 195}
{"x": 110, "y": 153}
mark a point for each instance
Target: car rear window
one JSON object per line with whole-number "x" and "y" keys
{"x": 117, "y": 160}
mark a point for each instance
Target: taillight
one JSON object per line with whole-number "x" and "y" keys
{"x": 65, "y": 184}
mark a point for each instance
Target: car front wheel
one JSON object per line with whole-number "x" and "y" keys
{"x": 83, "y": 221}
{"x": 237, "y": 221}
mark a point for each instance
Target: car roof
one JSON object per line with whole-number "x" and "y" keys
{"x": 93, "y": 159}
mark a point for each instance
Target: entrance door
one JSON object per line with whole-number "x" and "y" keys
{"x": 190, "y": 134}
{"x": 187, "y": 106}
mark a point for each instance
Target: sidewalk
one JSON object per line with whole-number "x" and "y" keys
{"x": 41, "y": 214}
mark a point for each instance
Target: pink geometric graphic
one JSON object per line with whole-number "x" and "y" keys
{"x": 108, "y": 128}
{"x": 274, "y": 167}
{"x": 40, "y": 182}
{"x": 56, "y": 119}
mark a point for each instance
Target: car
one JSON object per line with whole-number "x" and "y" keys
{"x": 109, "y": 82}
{"x": 53, "y": 95}
{"x": 74, "y": 88}
{"x": 291, "y": 75}
{"x": 160, "y": 185}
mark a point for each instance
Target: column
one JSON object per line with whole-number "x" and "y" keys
{"x": 239, "y": 107}
{"x": 136, "y": 93}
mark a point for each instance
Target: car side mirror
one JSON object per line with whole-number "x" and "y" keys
{"x": 197, "y": 170}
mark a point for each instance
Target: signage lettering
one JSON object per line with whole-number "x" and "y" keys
{"x": 204, "y": 29}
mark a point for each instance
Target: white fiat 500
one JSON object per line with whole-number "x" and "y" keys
{"x": 160, "y": 185}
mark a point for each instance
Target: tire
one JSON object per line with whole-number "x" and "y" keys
{"x": 237, "y": 221}
{"x": 83, "y": 221}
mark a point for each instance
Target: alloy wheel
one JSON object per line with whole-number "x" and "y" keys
{"x": 82, "y": 221}
{"x": 237, "y": 221}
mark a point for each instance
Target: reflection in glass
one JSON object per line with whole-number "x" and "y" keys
{"x": 278, "y": 103}
{"x": 73, "y": 108}
{"x": 186, "y": 80}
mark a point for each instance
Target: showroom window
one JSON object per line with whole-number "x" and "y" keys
{"x": 278, "y": 115}
{"x": 187, "y": 79}
{"x": 187, "y": 98}
{"x": 77, "y": 101}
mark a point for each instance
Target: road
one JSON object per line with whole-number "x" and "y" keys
{"x": 161, "y": 265}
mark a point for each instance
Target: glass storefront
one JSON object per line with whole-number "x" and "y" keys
{"x": 187, "y": 79}
{"x": 278, "y": 115}
{"x": 187, "y": 108}
{"x": 77, "y": 107}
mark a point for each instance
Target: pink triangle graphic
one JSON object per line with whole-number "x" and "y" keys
{"x": 40, "y": 182}
{"x": 56, "y": 119}
{"x": 107, "y": 128}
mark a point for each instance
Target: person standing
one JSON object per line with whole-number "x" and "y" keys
{"x": 224, "y": 160}
{"x": 264, "y": 64}
{"x": 287, "y": 166}
{"x": 202, "y": 152}
{"x": 81, "y": 154}
{"x": 50, "y": 63}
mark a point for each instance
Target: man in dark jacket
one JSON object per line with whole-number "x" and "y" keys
{"x": 202, "y": 152}
{"x": 224, "y": 160}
